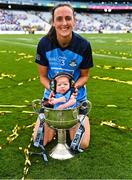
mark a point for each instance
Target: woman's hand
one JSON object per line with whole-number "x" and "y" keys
{"x": 51, "y": 98}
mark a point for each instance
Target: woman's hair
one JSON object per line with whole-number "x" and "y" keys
{"x": 52, "y": 33}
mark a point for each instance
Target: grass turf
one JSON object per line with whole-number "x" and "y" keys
{"x": 110, "y": 91}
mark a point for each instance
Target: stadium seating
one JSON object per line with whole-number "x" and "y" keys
{"x": 33, "y": 21}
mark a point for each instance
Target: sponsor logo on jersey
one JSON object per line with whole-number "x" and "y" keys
{"x": 73, "y": 63}
{"x": 37, "y": 57}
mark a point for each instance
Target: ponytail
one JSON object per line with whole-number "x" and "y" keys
{"x": 52, "y": 33}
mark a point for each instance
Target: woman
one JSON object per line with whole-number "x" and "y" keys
{"x": 62, "y": 50}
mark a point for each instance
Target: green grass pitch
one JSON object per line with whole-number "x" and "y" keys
{"x": 109, "y": 155}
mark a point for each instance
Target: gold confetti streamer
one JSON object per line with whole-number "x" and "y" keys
{"x": 24, "y": 56}
{"x": 14, "y": 134}
{"x": 28, "y": 112}
{"x": 111, "y": 79}
{"x": 29, "y": 126}
{"x": 21, "y": 54}
{"x": 19, "y": 84}
{"x": 113, "y": 125}
{"x": 106, "y": 52}
{"x": 111, "y": 105}
{"x": 112, "y": 67}
{"x": 27, "y": 163}
{"x": 10, "y": 76}
{"x": 26, "y": 101}
{"x": 20, "y": 148}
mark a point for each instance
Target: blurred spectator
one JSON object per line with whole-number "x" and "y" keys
{"x": 31, "y": 21}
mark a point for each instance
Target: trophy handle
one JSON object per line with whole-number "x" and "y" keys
{"x": 36, "y": 104}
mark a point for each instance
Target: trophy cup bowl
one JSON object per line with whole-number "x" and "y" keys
{"x": 61, "y": 119}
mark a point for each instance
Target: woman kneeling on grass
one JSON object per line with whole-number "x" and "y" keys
{"x": 62, "y": 50}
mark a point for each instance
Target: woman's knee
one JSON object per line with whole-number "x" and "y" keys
{"x": 35, "y": 129}
{"x": 85, "y": 143}
{"x": 49, "y": 133}
{"x": 86, "y": 136}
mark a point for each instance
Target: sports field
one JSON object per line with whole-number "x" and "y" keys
{"x": 109, "y": 155}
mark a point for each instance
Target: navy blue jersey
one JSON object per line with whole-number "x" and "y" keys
{"x": 77, "y": 55}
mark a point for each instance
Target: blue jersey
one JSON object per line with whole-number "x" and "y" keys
{"x": 77, "y": 55}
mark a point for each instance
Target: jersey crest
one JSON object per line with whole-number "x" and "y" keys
{"x": 73, "y": 63}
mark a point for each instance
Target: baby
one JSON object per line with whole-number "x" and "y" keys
{"x": 64, "y": 97}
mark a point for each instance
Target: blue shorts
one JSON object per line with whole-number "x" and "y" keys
{"x": 83, "y": 110}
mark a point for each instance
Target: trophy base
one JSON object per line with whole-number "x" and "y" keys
{"x": 61, "y": 152}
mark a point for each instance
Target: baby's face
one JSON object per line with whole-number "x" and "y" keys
{"x": 62, "y": 84}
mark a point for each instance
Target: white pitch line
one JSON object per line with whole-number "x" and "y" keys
{"x": 109, "y": 56}
{"x": 94, "y": 54}
{"x": 19, "y": 43}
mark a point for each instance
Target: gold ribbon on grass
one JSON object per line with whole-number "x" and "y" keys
{"x": 112, "y": 79}
{"x": 15, "y": 133}
{"x": 113, "y": 125}
{"x": 12, "y": 137}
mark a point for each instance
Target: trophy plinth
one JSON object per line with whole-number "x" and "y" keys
{"x": 61, "y": 150}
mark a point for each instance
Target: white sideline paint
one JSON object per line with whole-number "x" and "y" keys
{"x": 18, "y": 43}
{"x": 109, "y": 56}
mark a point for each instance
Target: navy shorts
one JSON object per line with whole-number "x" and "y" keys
{"x": 83, "y": 110}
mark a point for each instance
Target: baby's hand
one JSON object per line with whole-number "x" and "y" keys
{"x": 58, "y": 100}
{"x": 75, "y": 91}
{"x": 50, "y": 100}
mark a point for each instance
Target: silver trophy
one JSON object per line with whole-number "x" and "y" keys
{"x": 61, "y": 120}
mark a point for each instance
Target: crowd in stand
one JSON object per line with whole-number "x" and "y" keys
{"x": 104, "y": 22}
{"x": 11, "y": 20}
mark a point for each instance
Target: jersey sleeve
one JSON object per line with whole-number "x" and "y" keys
{"x": 40, "y": 54}
{"x": 87, "y": 61}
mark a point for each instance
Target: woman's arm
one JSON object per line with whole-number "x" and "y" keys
{"x": 43, "y": 75}
{"x": 84, "y": 75}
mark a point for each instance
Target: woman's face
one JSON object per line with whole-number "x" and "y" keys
{"x": 63, "y": 21}
{"x": 62, "y": 85}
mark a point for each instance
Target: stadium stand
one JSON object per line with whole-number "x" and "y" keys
{"x": 102, "y": 20}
